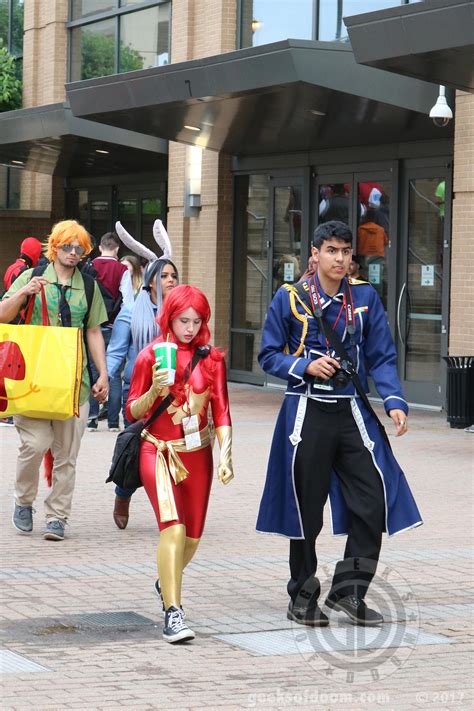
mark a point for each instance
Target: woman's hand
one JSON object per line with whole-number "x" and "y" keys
{"x": 225, "y": 474}
{"x": 225, "y": 471}
{"x": 159, "y": 376}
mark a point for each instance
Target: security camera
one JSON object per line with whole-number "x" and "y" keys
{"x": 441, "y": 113}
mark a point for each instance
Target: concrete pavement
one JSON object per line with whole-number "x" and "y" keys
{"x": 81, "y": 626}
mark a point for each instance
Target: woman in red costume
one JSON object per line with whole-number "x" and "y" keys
{"x": 176, "y": 463}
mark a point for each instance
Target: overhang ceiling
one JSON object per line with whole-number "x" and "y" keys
{"x": 292, "y": 95}
{"x": 49, "y": 139}
{"x": 431, "y": 40}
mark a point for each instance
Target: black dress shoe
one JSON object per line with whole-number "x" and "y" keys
{"x": 356, "y": 609}
{"x": 313, "y": 617}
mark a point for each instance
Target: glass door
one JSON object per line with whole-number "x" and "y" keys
{"x": 422, "y": 304}
{"x": 375, "y": 235}
{"x": 270, "y": 227}
{"x": 250, "y": 276}
{"x": 286, "y": 220}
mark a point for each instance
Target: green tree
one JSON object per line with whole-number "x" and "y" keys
{"x": 10, "y": 85}
{"x": 98, "y": 56}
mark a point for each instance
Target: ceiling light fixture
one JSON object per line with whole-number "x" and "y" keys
{"x": 315, "y": 112}
{"x": 99, "y": 150}
{"x": 192, "y": 128}
{"x": 18, "y": 162}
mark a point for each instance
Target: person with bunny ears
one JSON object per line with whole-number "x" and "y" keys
{"x": 136, "y": 326}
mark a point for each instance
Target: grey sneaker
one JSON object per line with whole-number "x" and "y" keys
{"x": 54, "y": 530}
{"x": 22, "y": 518}
{"x": 175, "y": 629}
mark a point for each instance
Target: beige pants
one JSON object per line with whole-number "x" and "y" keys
{"x": 63, "y": 437}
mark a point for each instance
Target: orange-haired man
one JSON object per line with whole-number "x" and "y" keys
{"x": 68, "y": 306}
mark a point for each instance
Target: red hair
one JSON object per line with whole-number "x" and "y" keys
{"x": 180, "y": 299}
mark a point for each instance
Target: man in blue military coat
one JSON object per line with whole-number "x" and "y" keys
{"x": 327, "y": 440}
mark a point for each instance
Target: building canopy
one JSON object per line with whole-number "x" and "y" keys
{"x": 293, "y": 95}
{"x": 49, "y": 139}
{"x": 431, "y": 40}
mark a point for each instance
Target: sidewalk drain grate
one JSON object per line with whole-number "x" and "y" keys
{"x": 108, "y": 619}
{"x": 283, "y": 642}
{"x": 12, "y": 663}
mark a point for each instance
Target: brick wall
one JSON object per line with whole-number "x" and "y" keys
{"x": 15, "y": 225}
{"x": 461, "y": 333}
{"x": 44, "y": 76}
{"x": 202, "y": 245}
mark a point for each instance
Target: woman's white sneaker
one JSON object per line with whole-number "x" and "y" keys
{"x": 175, "y": 629}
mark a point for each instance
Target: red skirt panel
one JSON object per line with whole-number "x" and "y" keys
{"x": 191, "y": 496}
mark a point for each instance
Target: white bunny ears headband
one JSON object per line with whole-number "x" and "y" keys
{"x": 161, "y": 238}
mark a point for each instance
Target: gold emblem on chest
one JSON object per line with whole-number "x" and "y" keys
{"x": 195, "y": 404}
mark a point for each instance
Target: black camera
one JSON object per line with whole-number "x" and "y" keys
{"x": 342, "y": 376}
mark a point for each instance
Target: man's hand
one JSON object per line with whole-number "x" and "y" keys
{"x": 323, "y": 367}
{"x": 100, "y": 389}
{"x": 400, "y": 420}
{"x": 33, "y": 286}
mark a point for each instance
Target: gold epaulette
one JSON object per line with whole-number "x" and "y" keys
{"x": 294, "y": 297}
{"x": 354, "y": 282}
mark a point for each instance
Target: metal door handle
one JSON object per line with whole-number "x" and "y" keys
{"x": 399, "y": 306}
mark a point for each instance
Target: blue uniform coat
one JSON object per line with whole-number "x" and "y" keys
{"x": 286, "y": 354}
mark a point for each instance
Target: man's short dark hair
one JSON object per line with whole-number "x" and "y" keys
{"x": 109, "y": 241}
{"x": 334, "y": 229}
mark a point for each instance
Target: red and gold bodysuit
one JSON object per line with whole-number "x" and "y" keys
{"x": 191, "y": 495}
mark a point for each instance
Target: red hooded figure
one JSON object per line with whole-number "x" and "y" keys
{"x": 30, "y": 252}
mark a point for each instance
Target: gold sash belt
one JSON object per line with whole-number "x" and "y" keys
{"x": 173, "y": 467}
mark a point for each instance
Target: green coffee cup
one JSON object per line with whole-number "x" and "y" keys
{"x": 165, "y": 353}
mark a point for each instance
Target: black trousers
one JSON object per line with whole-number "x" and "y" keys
{"x": 331, "y": 440}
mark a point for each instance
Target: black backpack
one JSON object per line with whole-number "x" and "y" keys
{"x": 89, "y": 284}
{"x": 112, "y": 305}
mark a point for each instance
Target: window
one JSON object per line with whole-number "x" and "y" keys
{"x": 332, "y": 28}
{"x": 9, "y": 188}
{"x": 11, "y": 38}
{"x": 126, "y": 36}
{"x": 83, "y": 8}
{"x": 93, "y": 50}
{"x": 144, "y": 39}
{"x": 265, "y": 21}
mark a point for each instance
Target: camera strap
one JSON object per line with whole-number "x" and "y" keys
{"x": 339, "y": 349}
{"x": 336, "y": 344}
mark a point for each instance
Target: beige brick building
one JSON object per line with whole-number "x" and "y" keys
{"x": 284, "y": 126}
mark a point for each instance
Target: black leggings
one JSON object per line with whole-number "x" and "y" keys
{"x": 331, "y": 441}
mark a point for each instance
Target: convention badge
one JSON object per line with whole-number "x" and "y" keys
{"x": 323, "y": 385}
{"x": 192, "y": 438}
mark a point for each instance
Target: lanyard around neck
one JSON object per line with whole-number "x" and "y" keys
{"x": 347, "y": 306}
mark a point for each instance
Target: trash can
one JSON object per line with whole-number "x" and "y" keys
{"x": 460, "y": 391}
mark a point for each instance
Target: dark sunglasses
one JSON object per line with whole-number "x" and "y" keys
{"x": 68, "y": 248}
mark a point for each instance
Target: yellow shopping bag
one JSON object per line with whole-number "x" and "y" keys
{"x": 40, "y": 371}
